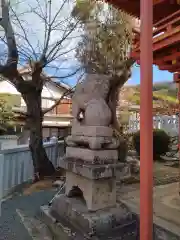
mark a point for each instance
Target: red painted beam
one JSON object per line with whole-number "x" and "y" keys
{"x": 170, "y": 68}
{"x": 168, "y": 26}
{"x": 167, "y": 39}
{"x": 158, "y": 2}
{"x": 170, "y": 57}
{"x": 168, "y": 19}
{"x": 146, "y": 124}
{"x": 163, "y": 41}
{"x": 162, "y": 61}
{"x": 171, "y": 61}
{"x": 162, "y": 8}
{"x": 170, "y": 34}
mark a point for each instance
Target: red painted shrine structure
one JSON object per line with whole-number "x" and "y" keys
{"x": 166, "y": 44}
{"x": 158, "y": 43}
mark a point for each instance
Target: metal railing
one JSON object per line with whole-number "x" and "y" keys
{"x": 170, "y": 124}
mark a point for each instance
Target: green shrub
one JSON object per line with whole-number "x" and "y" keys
{"x": 161, "y": 142}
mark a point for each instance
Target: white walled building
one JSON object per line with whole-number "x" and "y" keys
{"x": 56, "y": 122}
{"x": 51, "y": 92}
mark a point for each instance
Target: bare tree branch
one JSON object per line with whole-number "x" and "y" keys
{"x": 27, "y": 53}
{"x": 68, "y": 92}
{"x": 48, "y": 27}
{"x": 38, "y": 49}
{"x": 9, "y": 33}
{"x": 52, "y": 53}
{"x": 24, "y": 31}
{"x": 66, "y": 76}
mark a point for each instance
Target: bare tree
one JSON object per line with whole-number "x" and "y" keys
{"x": 39, "y": 35}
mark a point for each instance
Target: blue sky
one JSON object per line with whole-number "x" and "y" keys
{"x": 62, "y": 66}
{"x": 158, "y": 75}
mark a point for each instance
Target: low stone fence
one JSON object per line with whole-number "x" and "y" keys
{"x": 16, "y": 166}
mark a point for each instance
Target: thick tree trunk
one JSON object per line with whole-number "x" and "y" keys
{"x": 113, "y": 100}
{"x": 117, "y": 83}
{"x": 42, "y": 166}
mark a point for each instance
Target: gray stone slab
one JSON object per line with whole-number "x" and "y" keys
{"x": 64, "y": 230}
{"x": 100, "y": 221}
{"x": 92, "y": 156}
{"x": 166, "y": 209}
{"x": 101, "y": 224}
{"x": 60, "y": 228}
{"x": 93, "y": 171}
{"x": 97, "y": 194}
{"x": 92, "y": 131}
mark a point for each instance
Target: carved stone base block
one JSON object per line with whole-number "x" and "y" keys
{"x": 93, "y": 156}
{"x": 97, "y": 194}
{"x": 92, "y": 131}
{"x": 92, "y": 142}
{"x": 94, "y": 171}
{"x": 110, "y": 223}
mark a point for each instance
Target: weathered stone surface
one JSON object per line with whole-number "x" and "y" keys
{"x": 36, "y": 228}
{"x": 91, "y": 162}
{"x": 98, "y": 194}
{"x": 91, "y": 159}
{"x": 97, "y": 113}
{"x": 72, "y": 230}
{"x": 122, "y": 174}
{"x": 93, "y": 142}
{"x": 94, "y": 171}
{"x": 93, "y": 87}
{"x": 92, "y": 131}
{"x": 161, "y": 233}
{"x": 134, "y": 164}
{"x": 91, "y": 223}
{"x": 93, "y": 156}
{"x": 166, "y": 208}
{"x": 100, "y": 89}
{"x": 132, "y": 153}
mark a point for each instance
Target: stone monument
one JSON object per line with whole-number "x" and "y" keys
{"x": 91, "y": 161}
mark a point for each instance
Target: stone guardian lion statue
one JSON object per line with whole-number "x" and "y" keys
{"x": 95, "y": 99}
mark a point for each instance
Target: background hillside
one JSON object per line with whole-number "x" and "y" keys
{"x": 163, "y": 93}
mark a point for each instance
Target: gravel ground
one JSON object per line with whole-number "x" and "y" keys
{"x": 11, "y": 227}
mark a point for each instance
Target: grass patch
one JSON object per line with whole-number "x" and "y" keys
{"x": 162, "y": 175}
{"x": 163, "y": 95}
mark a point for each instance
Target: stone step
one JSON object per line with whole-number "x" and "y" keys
{"x": 64, "y": 231}
{"x": 35, "y": 228}
{"x": 61, "y": 230}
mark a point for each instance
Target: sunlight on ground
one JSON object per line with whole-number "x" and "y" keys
{"x": 39, "y": 186}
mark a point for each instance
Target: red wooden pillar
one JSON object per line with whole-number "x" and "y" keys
{"x": 177, "y": 81}
{"x": 146, "y": 124}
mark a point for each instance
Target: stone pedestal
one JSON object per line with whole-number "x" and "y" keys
{"x": 96, "y": 181}
{"x": 92, "y": 156}
{"x": 98, "y": 194}
{"x": 91, "y": 163}
{"x": 101, "y": 224}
